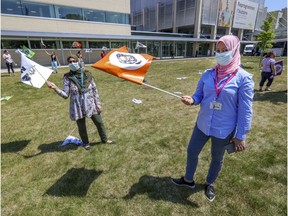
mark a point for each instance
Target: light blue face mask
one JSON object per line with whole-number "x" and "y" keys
{"x": 74, "y": 66}
{"x": 224, "y": 58}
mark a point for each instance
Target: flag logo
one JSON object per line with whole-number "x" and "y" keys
{"x": 32, "y": 73}
{"x": 127, "y": 61}
{"x": 29, "y": 53}
{"x": 279, "y": 67}
{"x": 128, "y": 66}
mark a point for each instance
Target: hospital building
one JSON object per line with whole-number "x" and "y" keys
{"x": 178, "y": 28}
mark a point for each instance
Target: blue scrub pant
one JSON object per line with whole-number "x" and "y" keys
{"x": 196, "y": 144}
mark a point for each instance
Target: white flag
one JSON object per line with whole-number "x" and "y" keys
{"x": 32, "y": 73}
{"x": 138, "y": 45}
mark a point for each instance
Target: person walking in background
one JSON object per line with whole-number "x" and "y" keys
{"x": 103, "y": 54}
{"x": 268, "y": 71}
{"x": 9, "y": 62}
{"x": 225, "y": 94}
{"x": 80, "y": 85}
{"x": 54, "y": 61}
{"x": 80, "y": 59}
{"x": 208, "y": 52}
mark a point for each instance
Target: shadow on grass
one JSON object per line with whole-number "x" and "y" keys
{"x": 52, "y": 147}
{"x": 15, "y": 146}
{"x": 272, "y": 96}
{"x": 75, "y": 182}
{"x": 56, "y": 147}
{"x": 161, "y": 188}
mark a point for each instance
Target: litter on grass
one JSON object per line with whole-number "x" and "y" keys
{"x": 137, "y": 101}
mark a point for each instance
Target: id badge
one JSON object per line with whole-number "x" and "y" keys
{"x": 215, "y": 105}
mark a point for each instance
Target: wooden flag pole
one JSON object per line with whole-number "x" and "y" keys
{"x": 72, "y": 131}
{"x": 161, "y": 90}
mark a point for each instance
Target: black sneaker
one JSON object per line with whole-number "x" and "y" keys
{"x": 209, "y": 192}
{"x": 182, "y": 182}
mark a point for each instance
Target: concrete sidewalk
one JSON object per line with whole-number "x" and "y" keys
{"x": 17, "y": 69}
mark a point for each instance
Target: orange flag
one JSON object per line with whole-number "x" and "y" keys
{"x": 128, "y": 66}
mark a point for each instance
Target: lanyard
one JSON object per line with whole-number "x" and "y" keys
{"x": 217, "y": 89}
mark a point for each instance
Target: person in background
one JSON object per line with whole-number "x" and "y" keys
{"x": 208, "y": 52}
{"x": 225, "y": 95}
{"x": 54, "y": 61}
{"x": 80, "y": 59}
{"x": 103, "y": 53}
{"x": 268, "y": 71}
{"x": 9, "y": 62}
{"x": 80, "y": 85}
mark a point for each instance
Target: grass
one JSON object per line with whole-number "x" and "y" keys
{"x": 133, "y": 176}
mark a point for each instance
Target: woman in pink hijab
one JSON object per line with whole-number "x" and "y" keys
{"x": 225, "y": 94}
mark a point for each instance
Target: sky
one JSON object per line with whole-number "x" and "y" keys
{"x": 275, "y": 4}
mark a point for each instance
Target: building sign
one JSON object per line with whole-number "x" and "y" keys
{"x": 226, "y": 10}
{"x": 245, "y": 14}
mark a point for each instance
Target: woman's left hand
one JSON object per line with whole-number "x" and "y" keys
{"x": 239, "y": 144}
{"x": 99, "y": 108}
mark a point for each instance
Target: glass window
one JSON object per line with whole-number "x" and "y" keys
{"x": 180, "y": 48}
{"x": 112, "y": 17}
{"x": 73, "y": 44}
{"x": 28, "y": 8}
{"x": 189, "y": 52}
{"x": 11, "y": 7}
{"x": 98, "y": 44}
{"x": 36, "y": 9}
{"x": 47, "y": 44}
{"x": 118, "y": 44}
{"x": 35, "y": 44}
{"x": 209, "y": 14}
{"x": 94, "y": 15}
{"x": 68, "y": 13}
{"x": 153, "y": 48}
{"x": 13, "y": 44}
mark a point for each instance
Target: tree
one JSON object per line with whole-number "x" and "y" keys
{"x": 267, "y": 36}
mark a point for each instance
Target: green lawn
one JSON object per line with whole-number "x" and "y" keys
{"x": 38, "y": 177}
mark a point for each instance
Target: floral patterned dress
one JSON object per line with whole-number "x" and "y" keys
{"x": 82, "y": 104}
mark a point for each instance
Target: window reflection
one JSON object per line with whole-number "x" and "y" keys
{"x": 94, "y": 15}
{"x": 47, "y": 44}
{"x": 13, "y": 44}
{"x": 68, "y": 13}
{"x": 98, "y": 44}
{"x": 35, "y": 9}
{"x": 11, "y": 7}
{"x": 71, "y": 44}
{"x": 27, "y": 8}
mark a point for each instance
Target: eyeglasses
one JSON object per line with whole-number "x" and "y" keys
{"x": 72, "y": 61}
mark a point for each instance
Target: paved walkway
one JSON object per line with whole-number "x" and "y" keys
{"x": 17, "y": 69}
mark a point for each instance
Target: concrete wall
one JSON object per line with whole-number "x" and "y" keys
{"x": 22, "y": 23}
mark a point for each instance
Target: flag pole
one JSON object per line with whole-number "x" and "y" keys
{"x": 161, "y": 90}
{"x": 72, "y": 131}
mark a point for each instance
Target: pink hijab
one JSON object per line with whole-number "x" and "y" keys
{"x": 232, "y": 43}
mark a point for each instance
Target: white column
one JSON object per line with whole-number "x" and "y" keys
{"x": 197, "y": 25}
